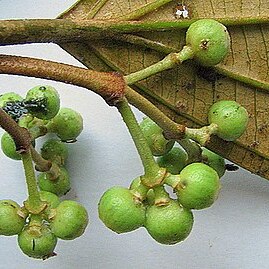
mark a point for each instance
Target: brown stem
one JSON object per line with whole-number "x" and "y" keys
{"x": 110, "y": 85}
{"x": 21, "y": 136}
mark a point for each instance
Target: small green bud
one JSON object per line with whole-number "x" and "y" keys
{"x": 8, "y": 147}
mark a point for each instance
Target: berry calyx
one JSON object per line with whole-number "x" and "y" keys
{"x": 174, "y": 160}
{"x": 43, "y": 102}
{"x": 59, "y": 186}
{"x": 230, "y": 117}
{"x": 8, "y": 147}
{"x": 198, "y": 187}
{"x": 170, "y": 223}
{"x": 155, "y": 138}
{"x": 67, "y": 124}
{"x": 55, "y": 151}
{"x": 70, "y": 220}
{"x": 209, "y": 41}
{"x": 37, "y": 241}
{"x": 11, "y": 222}
{"x": 120, "y": 210}
{"x": 51, "y": 199}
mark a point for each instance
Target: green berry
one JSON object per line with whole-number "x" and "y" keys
{"x": 155, "y": 139}
{"x": 55, "y": 151}
{"x": 8, "y": 147}
{"x": 230, "y": 117}
{"x": 214, "y": 160}
{"x": 50, "y": 198}
{"x": 37, "y": 241}
{"x": 209, "y": 41}
{"x": 67, "y": 124}
{"x": 174, "y": 160}
{"x": 11, "y": 222}
{"x": 9, "y": 97}
{"x": 59, "y": 186}
{"x": 43, "y": 102}
{"x": 70, "y": 220}
{"x": 120, "y": 211}
{"x": 198, "y": 187}
{"x": 169, "y": 224}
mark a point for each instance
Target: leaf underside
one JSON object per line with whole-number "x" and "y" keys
{"x": 186, "y": 92}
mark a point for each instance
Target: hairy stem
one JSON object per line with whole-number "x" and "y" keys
{"x": 110, "y": 85}
{"x": 34, "y": 202}
{"x": 66, "y": 30}
{"x": 20, "y": 135}
{"x": 153, "y": 174}
{"x": 170, "y": 61}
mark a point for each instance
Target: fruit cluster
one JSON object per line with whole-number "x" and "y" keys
{"x": 40, "y": 113}
{"x": 192, "y": 171}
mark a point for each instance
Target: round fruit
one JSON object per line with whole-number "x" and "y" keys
{"x": 174, "y": 160}
{"x": 55, "y": 151}
{"x": 10, "y": 222}
{"x": 70, "y": 220}
{"x": 9, "y": 97}
{"x": 120, "y": 211}
{"x": 154, "y": 136}
{"x": 209, "y": 40}
{"x": 43, "y": 102}
{"x": 67, "y": 124}
{"x": 58, "y": 186}
{"x": 37, "y": 241}
{"x": 8, "y": 147}
{"x": 198, "y": 187}
{"x": 230, "y": 117}
{"x": 169, "y": 224}
{"x": 214, "y": 160}
{"x": 50, "y": 198}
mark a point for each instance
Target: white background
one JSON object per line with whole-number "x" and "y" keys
{"x": 233, "y": 233}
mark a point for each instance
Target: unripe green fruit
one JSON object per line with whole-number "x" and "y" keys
{"x": 10, "y": 222}
{"x": 174, "y": 160}
{"x": 55, "y": 151}
{"x": 58, "y": 186}
{"x": 70, "y": 220}
{"x": 214, "y": 160}
{"x": 67, "y": 124}
{"x": 169, "y": 224}
{"x": 50, "y": 198}
{"x": 120, "y": 211}
{"x": 8, "y": 147}
{"x": 155, "y": 139}
{"x": 198, "y": 187}
{"x": 37, "y": 241}
{"x": 230, "y": 117}
{"x": 209, "y": 40}
{"x": 9, "y": 97}
{"x": 49, "y": 98}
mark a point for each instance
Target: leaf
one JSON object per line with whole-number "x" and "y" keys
{"x": 186, "y": 92}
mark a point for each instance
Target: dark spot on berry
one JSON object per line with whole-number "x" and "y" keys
{"x": 33, "y": 248}
{"x": 42, "y": 88}
{"x": 204, "y": 44}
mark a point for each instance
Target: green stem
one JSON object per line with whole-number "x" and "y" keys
{"x": 152, "y": 171}
{"x": 142, "y": 11}
{"x": 34, "y": 202}
{"x": 170, "y": 61}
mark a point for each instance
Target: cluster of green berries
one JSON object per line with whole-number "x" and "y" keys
{"x": 38, "y": 233}
{"x": 40, "y": 113}
{"x": 195, "y": 179}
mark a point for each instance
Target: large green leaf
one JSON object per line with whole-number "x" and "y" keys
{"x": 186, "y": 92}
